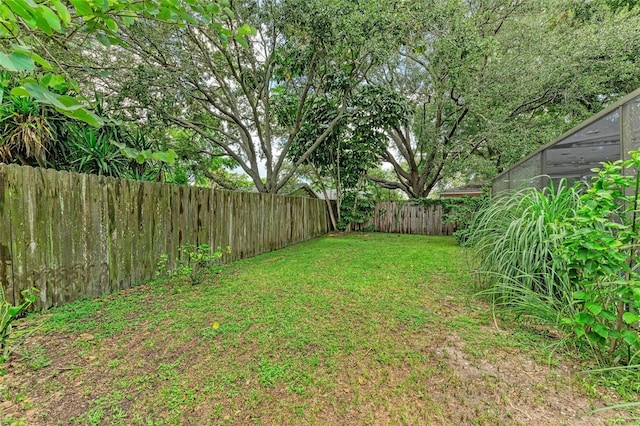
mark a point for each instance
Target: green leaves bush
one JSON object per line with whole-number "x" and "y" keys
{"x": 568, "y": 255}
{"x": 601, "y": 253}
{"x": 461, "y": 212}
{"x": 24, "y": 24}
{"x": 195, "y": 264}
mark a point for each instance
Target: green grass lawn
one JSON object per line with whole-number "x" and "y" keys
{"x": 346, "y": 329}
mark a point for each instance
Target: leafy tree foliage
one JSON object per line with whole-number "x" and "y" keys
{"x": 352, "y": 149}
{"x": 251, "y": 97}
{"x": 203, "y": 163}
{"x": 26, "y": 27}
{"x": 442, "y": 69}
{"x": 491, "y": 81}
{"x": 561, "y": 64}
{"x": 274, "y": 86}
{"x": 30, "y": 30}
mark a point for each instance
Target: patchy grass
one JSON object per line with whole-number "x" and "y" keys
{"x": 347, "y": 329}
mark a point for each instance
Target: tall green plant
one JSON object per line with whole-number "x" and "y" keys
{"x": 516, "y": 237}
{"x": 601, "y": 252}
{"x": 8, "y": 313}
{"x": 93, "y": 152}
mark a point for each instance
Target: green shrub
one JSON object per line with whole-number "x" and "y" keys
{"x": 462, "y": 212}
{"x": 601, "y": 253}
{"x": 516, "y": 237}
{"x": 569, "y": 255}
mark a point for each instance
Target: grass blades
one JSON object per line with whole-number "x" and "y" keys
{"x": 350, "y": 329}
{"x": 517, "y": 237}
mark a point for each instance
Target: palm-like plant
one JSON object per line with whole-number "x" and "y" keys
{"x": 92, "y": 152}
{"x": 36, "y": 135}
{"x": 25, "y": 132}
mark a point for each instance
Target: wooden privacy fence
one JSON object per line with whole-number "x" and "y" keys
{"x": 405, "y": 217}
{"x": 73, "y": 236}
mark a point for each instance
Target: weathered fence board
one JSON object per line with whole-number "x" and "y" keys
{"x": 6, "y": 264}
{"x": 405, "y": 217}
{"x": 73, "y": 236}
{"x": 18, "y": 243}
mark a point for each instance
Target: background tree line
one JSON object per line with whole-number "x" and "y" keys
{"x": 267, "y": 94}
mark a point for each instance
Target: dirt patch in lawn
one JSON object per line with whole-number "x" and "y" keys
{"x": 115, "y": 381}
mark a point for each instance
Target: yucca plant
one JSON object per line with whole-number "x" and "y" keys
{"x": 516, "y": 237}
{"x": 149, "y": 170}
{"x": 92, "y": 152}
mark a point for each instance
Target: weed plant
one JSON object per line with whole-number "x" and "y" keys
{"x": 8, "y": 314}
{"x": 196, "y": 263}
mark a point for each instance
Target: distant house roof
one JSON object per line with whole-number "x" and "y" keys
{"x": 332, "y": 194}
{"x": 470, "y": 190}
{"x": 306, "y": 191}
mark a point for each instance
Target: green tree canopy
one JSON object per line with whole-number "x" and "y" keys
{"x": 491, "y": 81}
{"x": 250, "y": 97}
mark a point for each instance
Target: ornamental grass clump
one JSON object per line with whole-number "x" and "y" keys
{"x": 517, "y": 236}
{"x": 568, "y": 255}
